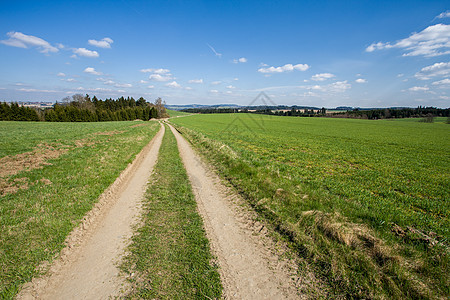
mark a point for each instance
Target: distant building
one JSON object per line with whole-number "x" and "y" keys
{"x": 36, "y": 104}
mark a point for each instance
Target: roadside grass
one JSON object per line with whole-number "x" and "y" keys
{"x": 19, "y": 137}
{"x": 36, "y": 219}
{"x": 176, "y": 113}
{"x": 365, "y": 201}
{"x": 170, "y": 256}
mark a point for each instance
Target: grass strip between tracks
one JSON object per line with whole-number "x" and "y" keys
{"x": 169, "y": 257}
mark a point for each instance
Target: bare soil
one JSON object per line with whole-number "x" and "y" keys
{"x": 87, "y": 266}
{"x": 14, "y": 164}
{"x": 248, "y": 266}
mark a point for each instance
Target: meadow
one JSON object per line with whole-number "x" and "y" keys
{"x": 365, "y": 201}
{"x": 51, "y": 174}
{"x": 176, "y": 113}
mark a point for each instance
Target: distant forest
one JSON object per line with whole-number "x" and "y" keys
{"x": 371, "y": 114}
{"x": 79, "y": 108}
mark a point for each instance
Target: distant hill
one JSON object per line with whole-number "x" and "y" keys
{"x": 186, "y": 106}
{"x": 273, "y": 107}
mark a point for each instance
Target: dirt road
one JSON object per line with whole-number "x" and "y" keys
{"x": 247, "y": 268}
{"x": 87, "y": 267}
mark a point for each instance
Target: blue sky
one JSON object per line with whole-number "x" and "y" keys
{"x": 318, "y": 53}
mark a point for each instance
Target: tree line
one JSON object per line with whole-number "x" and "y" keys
{"x": 371, "y": 114}
{"x": 390, "y": 113}
{"x": 79, "y": 108}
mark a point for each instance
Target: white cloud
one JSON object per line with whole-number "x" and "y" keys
{"x": 378, "y": 46}
{"x": 61, "y": 74}
{"x": 151, "y": 87}
{"x": 85, "y": 52}
{"x": 91, "y": 70}
{"x": 103, "y": 43}
{"x": 441, "y": 69}
{"x": 188, "y": 88}
{"x": 235, "y": 79}
{"x": 36, "y": 90}
{"x": 400, "y": 75}
{"x": 229, "y": 92}
{"x": 216, "y": 82}
{"x": 195, "y": 81}
{"x": 160, "y": 78}
{"x": 20, "y": 40}
{"x": 219, "y": 55}
{"x": 418, "y": 89}
{"x": 322, "y": 76}
{"x": 442, "y": 82}
{"x": 340, "y": 86}
{"x": 123, "y": 85}
{"x": 68, "y": 79}
{"x": 230, "y": 87}
{"x": 443, "y": 15}
{"x": 106, "y": 81}
{"x": 432, "y": 41}
{"x": 156, "y": 71}
{"x": 285, "y": 68}
{"x": 173, "y": 84}
{"x": 143, "y": 81}
{"x": 214, "y": 91}
{"x": 100, "y": 90}
{"x": 240, "y": 60}
{"x": 360, "y": 80}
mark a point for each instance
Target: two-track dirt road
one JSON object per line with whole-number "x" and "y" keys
{"x": 87, "y": 267}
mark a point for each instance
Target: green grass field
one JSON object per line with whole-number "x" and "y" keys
{"x": 170, "y": 255}
{"x": 55, "y": 191}
{"x": 365, "y": 201}
{"x": 176, "y": 113}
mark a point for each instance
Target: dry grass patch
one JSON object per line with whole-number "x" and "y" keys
{"x": 12, "y": 165}
{"x": 109, "y": 132}
{"x": 25, "y": 162}
{"x": 139, "y": 125}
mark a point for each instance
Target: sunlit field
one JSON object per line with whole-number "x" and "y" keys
{"x": 367, "y": 201}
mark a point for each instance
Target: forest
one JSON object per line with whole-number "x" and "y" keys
{"x": 79, "y": 108}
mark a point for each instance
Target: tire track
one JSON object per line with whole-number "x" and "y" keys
{"x": 87, "y": 267}
{"x": 245, "y": 268}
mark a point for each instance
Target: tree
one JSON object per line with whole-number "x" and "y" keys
{"x": 160, "y": 108}
{"x": 141, "y": 102}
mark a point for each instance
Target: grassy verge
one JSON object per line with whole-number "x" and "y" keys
{"x": 363, "y": 201}
{"x": 170, "y": 255}
{"x": 56, "y": 193}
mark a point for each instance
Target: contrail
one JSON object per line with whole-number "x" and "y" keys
{"x": 214, "y": 50}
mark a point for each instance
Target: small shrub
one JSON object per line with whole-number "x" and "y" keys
{"x": 427, "y": 119}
